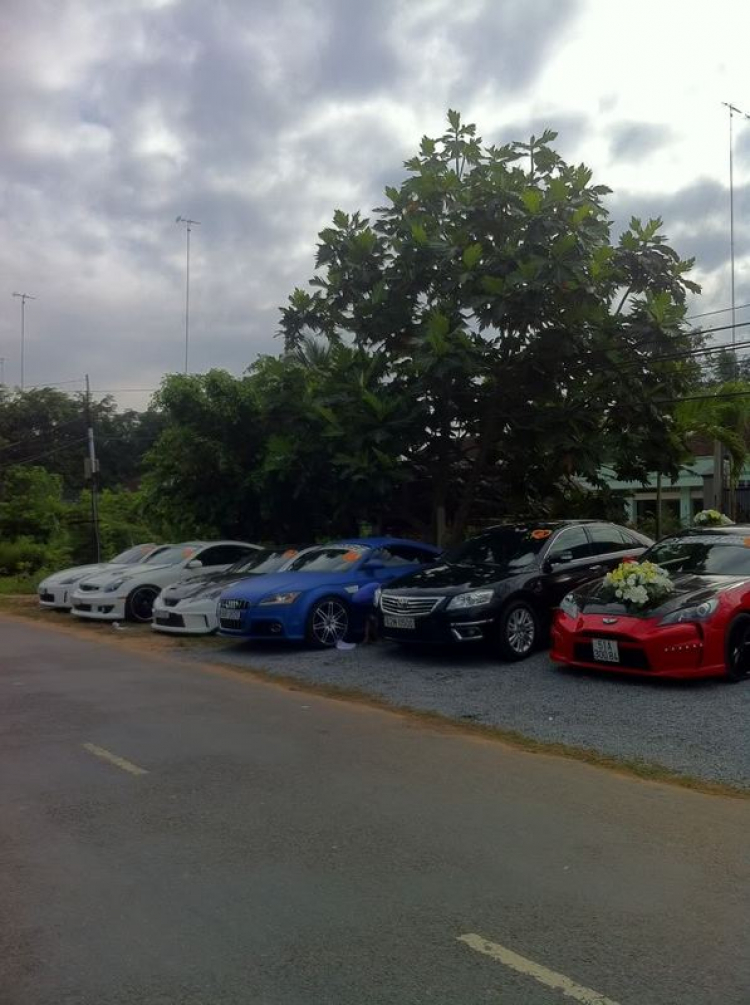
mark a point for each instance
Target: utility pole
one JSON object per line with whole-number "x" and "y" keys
{"x": 189, "y": 224}
{"x": 732, "y": 110}
{"x": 91, "y": 468}
{"x": 23, "y": 297}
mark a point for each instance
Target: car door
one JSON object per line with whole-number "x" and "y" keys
{"x": 610, "y": 545}
{"x": 569, "y": 562}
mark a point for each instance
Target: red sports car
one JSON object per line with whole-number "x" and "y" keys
{"x": 702, "y": 628}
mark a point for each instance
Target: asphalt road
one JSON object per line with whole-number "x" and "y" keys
{"x": 171, "y": 834}
{"x": 696, "y": 728}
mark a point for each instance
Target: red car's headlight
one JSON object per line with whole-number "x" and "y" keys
{"x": 698, "y": 612}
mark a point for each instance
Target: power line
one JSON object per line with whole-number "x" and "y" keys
{"x": 722, "y": 310}
{"x": 60, "y": 425}
{"x": 47, "y": 453}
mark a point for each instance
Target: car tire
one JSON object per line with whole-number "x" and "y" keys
{"x": 327, "y": 622}
{"x": 140, "y": 604}
{"x": 518, "y": 631}
{"x": 738, "y": 650}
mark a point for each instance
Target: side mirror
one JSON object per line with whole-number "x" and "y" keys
{"x": 194, "y": 563}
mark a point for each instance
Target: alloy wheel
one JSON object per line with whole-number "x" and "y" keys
{"x": 520, "y": 630}
{"x": 329, "y": 623}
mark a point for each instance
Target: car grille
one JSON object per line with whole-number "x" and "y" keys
{"x": 47, "y": 597}
{"x": 82, "y": 607}
{"x": 170, "y": 620}
{"x": 415, "y": 607}
{"x": 88, "y": 587}
{"x": 631, "y": 657}
{"x": 235, "y": 605}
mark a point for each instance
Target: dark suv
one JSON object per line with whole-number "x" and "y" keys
{"x": 502, "y": 585}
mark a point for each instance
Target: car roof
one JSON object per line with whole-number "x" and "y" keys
{"x": 377, "y": 542}
{"x": 210, "y": 544}
{"x": 546, "y": 524}
{"x": 734, "y": 530}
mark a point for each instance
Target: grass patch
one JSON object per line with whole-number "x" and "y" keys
{"x": 22, "y": 584}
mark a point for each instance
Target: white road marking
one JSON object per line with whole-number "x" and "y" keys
{"x": 119, "y": 762}
{"x": 543, "y": 975}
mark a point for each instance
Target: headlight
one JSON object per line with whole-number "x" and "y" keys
{"x": 477, "y": 598}
{"x": 279, "y": 598}
{"x": 114, "y": 585}
{"x": 569, "y": 606}
{"x": 698, "y": 612}
{"x": 69, "y": 581}
{"x": 376, "y": 596}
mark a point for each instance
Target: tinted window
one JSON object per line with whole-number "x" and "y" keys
{"x": 572, "y": 540}
{"x": 516, "y": 547}
{"x": 328, "y": 560}
{"x": 607, "y": 539}
{"x": 260, "y": 562}
{"x": 133, "y": 555}
{"x": 172, "y": 556}
{"x": 704, "y": 554}
{"x": 223, "y": 554}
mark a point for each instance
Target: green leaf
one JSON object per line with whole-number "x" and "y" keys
{"x": 419, "y": 233}
{"x": 454, "y": 119}
{"x": 341, "y": 219}
{"x": 532, "y": 200}
{"x": 493, "y": 284}
{"x": 438, "y": 325}
{"x": 472, "y": 254}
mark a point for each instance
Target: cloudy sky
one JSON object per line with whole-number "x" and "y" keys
{"x": 260, "y": 117}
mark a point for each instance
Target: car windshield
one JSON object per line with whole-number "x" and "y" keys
{"x": 328, "y": 559}
{"x": 516, "y": 547}
{"x": 260, "y": 562}
{"x": 133, "y": 555}
{"x": 710, "y": 555}
{"x": 172, "y": 556}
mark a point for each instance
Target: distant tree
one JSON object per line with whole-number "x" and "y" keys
{"x": 31, "y": 503}
{"x": 534, "y": 346}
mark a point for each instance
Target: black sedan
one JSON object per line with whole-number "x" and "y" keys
{"x": 502, "y": 585}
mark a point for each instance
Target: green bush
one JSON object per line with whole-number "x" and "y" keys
{"x": 21, "y": 557}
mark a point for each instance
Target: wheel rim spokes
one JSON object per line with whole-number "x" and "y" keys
{"x": 329, "y": 623}
{"x": 520, "y": 631}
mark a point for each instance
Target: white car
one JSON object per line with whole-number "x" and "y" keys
{"x": 56, "y": 590}
{"x": 130, "y": 593}
{"x": 189, "y": 606}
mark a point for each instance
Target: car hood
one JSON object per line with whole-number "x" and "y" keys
{"x": 194, "y": 587}
{"x": 287, "y": 582}
{"x": 689, "y": 589}
{"x": 111, "y": 572}
{"x": 78, "y": 572}
{"x": 449, "y": 578}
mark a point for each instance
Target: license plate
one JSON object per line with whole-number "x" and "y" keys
{"x": 230, "y": 614}
{"x": 605, "y": 650}
{"x": 390, "y": 622}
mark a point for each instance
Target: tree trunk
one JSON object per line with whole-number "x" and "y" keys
{"x": 475, "y": 475}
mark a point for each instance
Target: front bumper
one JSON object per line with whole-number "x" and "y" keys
{"x": 441, "y": 627}
{"x": 56, "y": 597}
{"x": 98, "y": 606}
{"x": 198, "y": 618}
{"x": 644, "y": 648}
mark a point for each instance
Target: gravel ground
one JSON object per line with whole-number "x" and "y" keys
{"x": 697, "y": 728}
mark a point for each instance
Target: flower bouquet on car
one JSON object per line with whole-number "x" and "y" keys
{"x": 711, "y": 518}
{"x": 638, "y": 584}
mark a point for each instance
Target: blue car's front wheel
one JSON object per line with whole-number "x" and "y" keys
{"x": 327, "y": 622}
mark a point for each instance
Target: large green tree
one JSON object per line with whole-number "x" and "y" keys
{"x": 535, "y": 346}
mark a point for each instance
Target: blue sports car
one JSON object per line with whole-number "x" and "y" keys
{"x": 325, "y": 593}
